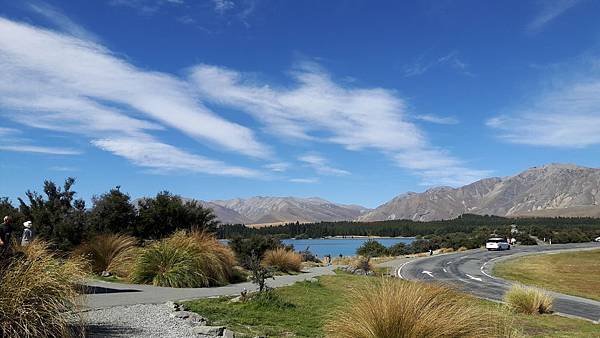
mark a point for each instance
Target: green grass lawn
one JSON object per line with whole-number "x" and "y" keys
{"x": 301, "y": 310}
{"x": 574, "y": 273}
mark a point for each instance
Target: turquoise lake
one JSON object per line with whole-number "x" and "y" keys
{"x": 337, "y": 246}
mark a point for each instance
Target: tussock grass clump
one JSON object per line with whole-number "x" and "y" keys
{"x": 283, "y": 260}
{"x": 529, "y": 300}
{"x": 186, "y": 259}
{"x": 393, "y": 308}
{"x": 461, "y": 249}
{"x": 446, "y": 250}
{"x": 110, "y": 252}
{"x": 38, "y": 294}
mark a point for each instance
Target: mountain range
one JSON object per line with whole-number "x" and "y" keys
{"x": 551, "y": 190}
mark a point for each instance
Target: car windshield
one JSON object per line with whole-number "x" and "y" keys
{"x": 496, "y": 240}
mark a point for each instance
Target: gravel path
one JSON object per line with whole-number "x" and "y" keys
{"x": 142, "y": 320}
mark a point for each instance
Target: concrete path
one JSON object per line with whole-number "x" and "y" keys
{"x": 106, "y": 294}
{"x": 471, "y": 272}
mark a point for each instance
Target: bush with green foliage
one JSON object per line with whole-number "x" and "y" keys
{"x": 244, "y": 248}
{"x": 166, "y": 213}
{"x": 372, "y": 248}
{"x": 58, "y": 217}
{"x": 112, "y": 212}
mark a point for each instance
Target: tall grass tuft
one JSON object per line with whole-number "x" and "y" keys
{"x": 283, "y": 260}
{"x": 393, "y": 308}
{"x": 529, "y": 300}
{"x": 109, "y": 252}
{"x": 38, "y": 294}
{"x": 186, "y": 259}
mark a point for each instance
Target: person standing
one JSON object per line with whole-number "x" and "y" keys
{"x": 27, "y": 234}
{"x": 5, "y": 234}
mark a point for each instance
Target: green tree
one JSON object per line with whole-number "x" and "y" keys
{"x": 372, "y": 248}
{"x": 112, "y": 212}
{"x": 57, "y": 217}
{"x": 164, "y": 214}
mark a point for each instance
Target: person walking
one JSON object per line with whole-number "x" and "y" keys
{"x": 27, "y": 234}
{"x": 5, "y": 234}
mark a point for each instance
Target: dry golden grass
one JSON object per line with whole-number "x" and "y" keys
{"x": 345, "y": 260}
{"x": 529, "y": 300}
{"x": 283, "y": 260}
{"x": 38, "y": 294}
{"x": 461, "y": 249}
{"x": 392, "y": 308}
{"x": 110, "y": 252}
{"x": 574, "y": 273}
{"x": 446, "y": 250}
{"x": 186, "y": 259}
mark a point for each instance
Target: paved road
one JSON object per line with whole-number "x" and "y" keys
{"x": 105, "y": 294}
{"x": 471, "y": 272}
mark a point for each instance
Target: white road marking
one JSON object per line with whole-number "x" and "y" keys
{"x": 398, "y": 272}
{"x": 446, "y": 271}
{"x": 474, "y": 278}
{"x": 428, "y": 273}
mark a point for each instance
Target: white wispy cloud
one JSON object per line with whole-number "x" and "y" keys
{"x": 24, "y": 148}
{"x": 222, "y": 6}
{"x": 437, "y": 119}
{"x": 423, "y": 64}
{"x": 8, "y": 131}
{"x": 61, "y": 82}
{"x": 278, "y": 167}
{"x": 321, "y": 165}
{"x": 567, "y": 116}
{"x": 549, "y": 11}
{"x": 318, "y": 109}
{"x": 160, "y": 156}
{"x": 304, "y": 180}
{"x": 60, "y": 20}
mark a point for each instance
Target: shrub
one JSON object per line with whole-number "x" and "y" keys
{"x": 308, "y": 256}
{"x": 38, "y": 294}
{"x": 363, "y": 263}
{"x": 284, "y": 260}
{"x": 399, "y": 249}
{"x": 111, "y": 252}
{"x": 245, "y": 247}
{"x": 529, "y": 300}
{"x": 186, "y": 259}
{"x": 393, "y": 308}
{"x": 259, "y": 273}
{"x": 372, "y": 248}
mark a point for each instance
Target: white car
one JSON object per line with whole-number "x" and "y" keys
{"x": 597, "y": 239}
{"x": 497, "y": 243}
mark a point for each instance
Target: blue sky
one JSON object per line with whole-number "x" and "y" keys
{"x": 352, "y": 101}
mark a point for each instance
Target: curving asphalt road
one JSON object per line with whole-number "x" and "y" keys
{"x": 101, "y": 294}
{"x": 471, "y": 272}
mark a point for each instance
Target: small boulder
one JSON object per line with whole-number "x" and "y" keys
{"x": 209, "y": 330}
{"x": 228, "y": 334}
{"x": 105, "y": 274}
{"x": 172, "y": 306}
{"x": 313, "y": 280}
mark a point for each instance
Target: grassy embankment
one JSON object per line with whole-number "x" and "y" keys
{"x": 304, "y": 309}
{"x": 573, "y": 273}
